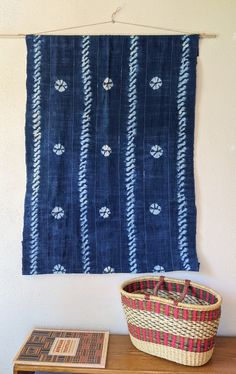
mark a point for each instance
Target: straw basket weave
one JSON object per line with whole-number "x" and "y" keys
{"x": 173, "y": 319}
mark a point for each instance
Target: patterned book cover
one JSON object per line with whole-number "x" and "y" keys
{"x": 68, "y": 348}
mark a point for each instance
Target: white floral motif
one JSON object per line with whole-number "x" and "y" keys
{"x": 59, "y": 149}
{"x": 60, "y": 85}
{"x": 108, "y": 270}
{"x": 106, "y": 150}
{"x": 156, "y": 151}
{"x": 155, "y": 209}
{"x": 59, "y": 269}
{"x": 155, "y": 83}
{"x": 158, "y": 269}
{"x": 107, "y": 84}
{"x": 104, "y": 212}
{"x": 57, "y": 212}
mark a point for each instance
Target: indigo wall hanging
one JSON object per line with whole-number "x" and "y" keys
{"x": 109, "y": 152}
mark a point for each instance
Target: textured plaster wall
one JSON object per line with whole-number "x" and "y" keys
{"x": 93, "y": 301}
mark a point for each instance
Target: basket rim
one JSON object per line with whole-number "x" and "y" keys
{"x": 170, "y": 302}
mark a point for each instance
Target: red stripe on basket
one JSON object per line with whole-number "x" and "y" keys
{"x": 148, "y": 283}
{"x": 157, "y": 308}
{"x": 199, "y": 341}
{"x": 210, "y": 315}
{"x": 169, "y": 286}
{"x": 176, "y": 313}
{"x": 190, "y": 345}
{"x": 194, "y": 315}
{"x": 201, "y": 294}
{"x": 164, "y": 338}
{"x": 141, "y": 285}
{"x": 211, "y": 342}
{"x": 203, "y": 316}
{"x": 173, "y": 343}
{"x": 194, "y": 291}
{"x": 167, "y": 310}
{"x": 214, "y": 314}
{"x": 130, "y": 327}
{"x": 124, "y": 300}
{"x": 135, "y": 286}
{"x": 140, "y": 304}
{"x": 207, "y": 296}
{"x": 158, "y": 337}
{"x": 212, "y": 299}
{"x": 149, "y": 306}
{"x": 185, "y": 314}
{"x": 178, "y": 287}
{"x": 217, "y": 313}
{"x": 133, "y": 304}
{"x": 181, "y": 342}
{"x": 150, "y": 335}
{"x": 138, "y": 331}
{"x": 144, "y": 335}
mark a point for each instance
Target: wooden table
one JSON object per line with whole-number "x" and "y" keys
{"x": 124, "y": 358}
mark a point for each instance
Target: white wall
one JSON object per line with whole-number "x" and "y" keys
{"x": 80, "y": 301}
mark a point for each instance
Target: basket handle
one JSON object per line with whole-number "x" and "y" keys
{"x": 184, "y": 292}
{"x": 158, "y": 285}
{"x": 182, "y": 295}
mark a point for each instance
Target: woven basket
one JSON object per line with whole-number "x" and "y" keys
{"x": 170, "y": 318}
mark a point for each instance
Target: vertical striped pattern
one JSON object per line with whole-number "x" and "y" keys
{"x": 156, "y": 335}
{"x": 84, "y": 146}
{"x": 181, "y": 153}
{"x": 49, "y": 241}
{"x": 36, "y": 124}
{"x": 130, "y": 173}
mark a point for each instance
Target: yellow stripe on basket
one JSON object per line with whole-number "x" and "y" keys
{"x": 160, "y": 322}
{"x": 173, "y": 354}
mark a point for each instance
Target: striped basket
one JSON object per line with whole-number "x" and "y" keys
{"x": 173, "y": 319}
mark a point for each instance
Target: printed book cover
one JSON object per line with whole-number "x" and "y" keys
{"x": 67, "y": 348}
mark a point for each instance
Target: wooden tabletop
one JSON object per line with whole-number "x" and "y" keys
{"x": 124, "y": 358}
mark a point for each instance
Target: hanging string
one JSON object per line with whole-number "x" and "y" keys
{"x": 202, "y": 34}
{"x": 72, "y": 28}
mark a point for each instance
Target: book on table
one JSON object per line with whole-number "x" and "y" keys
{"x": 67, "y": 348}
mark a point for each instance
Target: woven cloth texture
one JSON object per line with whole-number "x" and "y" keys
{"x": 109, "y": 154}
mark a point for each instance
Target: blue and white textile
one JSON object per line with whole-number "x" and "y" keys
{"x": 109, "y": 153}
